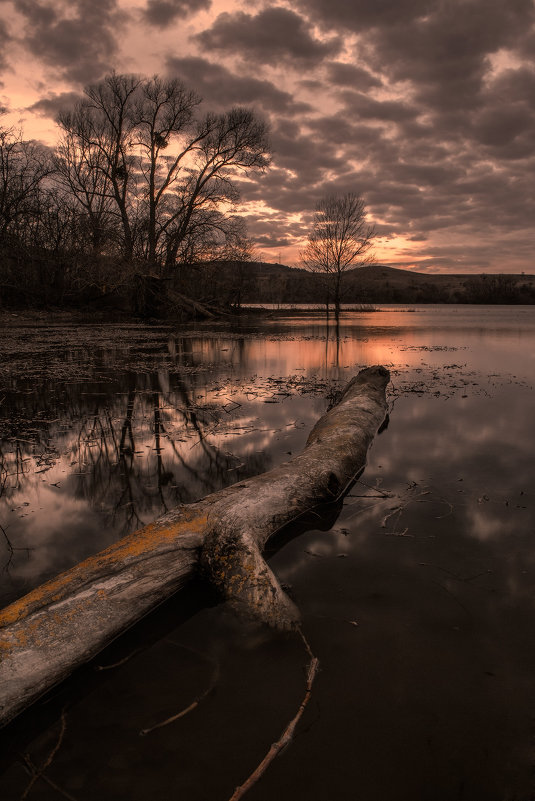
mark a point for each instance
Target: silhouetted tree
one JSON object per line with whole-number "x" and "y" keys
{"x": 340, "y": 239}
{"x": 491, "y": 289}
{"x": 98, "y": 134}
{"x": 225, "y": 144}
{"x": 23, "y": 166}
{"x": 81, "y": 171}
{"x": 141, "y": 143}
{"x": 141, "y": 182}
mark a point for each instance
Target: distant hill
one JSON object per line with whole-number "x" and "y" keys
{"x": 379, "y": 283}
{"x": 234, "y": 283}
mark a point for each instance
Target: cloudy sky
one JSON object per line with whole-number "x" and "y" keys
{"x": 424, "y": 107}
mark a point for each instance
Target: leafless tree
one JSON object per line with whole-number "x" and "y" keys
{"x": 141, "y": 143}
{"x": 226, "y": 143}
{"x": 162, "y": 116}
{"x": 23, "y": 167}
{"x": 81, "y": 171}
{"x": 98, "y": 134}
{"x": 340, "y": 240}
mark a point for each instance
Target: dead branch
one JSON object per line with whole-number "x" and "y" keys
{"x": 288, "y": 733}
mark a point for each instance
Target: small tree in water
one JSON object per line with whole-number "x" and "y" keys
{"x": 340, "y": 239}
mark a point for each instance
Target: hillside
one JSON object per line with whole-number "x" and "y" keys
{"x": 379, "y": 283}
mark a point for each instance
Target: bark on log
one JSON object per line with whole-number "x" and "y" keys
{"x": 67, "y": 621}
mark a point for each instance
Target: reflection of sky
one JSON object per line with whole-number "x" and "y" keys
{"x": 418, "y": 602}
{"x": 454, "y": 471}
{"x": 492, "y": 339}
{"x": 233, "y": 403}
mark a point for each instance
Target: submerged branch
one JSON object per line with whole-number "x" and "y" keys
{"x": 288, "y": 733}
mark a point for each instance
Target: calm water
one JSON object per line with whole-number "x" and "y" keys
{"x": 418, "y": 600}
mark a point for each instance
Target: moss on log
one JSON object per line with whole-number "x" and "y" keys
{"x": 45, "y": 635}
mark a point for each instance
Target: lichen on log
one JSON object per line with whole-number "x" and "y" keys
{"x": 67, "y": 621}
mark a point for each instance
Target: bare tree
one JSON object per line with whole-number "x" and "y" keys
{"x": 99, "y": 135}
{"x": 340, "y": 239}
{"x": 163, "y": 113}
{"x": 225, "y": 144}
{"x": 81, "y": 170}
{"x": 23, "y": 167}
{"x": 166, "y": 169}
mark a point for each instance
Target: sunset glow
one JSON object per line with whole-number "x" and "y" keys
{"x": 425, "y": 109}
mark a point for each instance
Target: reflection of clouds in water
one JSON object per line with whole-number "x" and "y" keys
{"x": 429, "y": 634}
{"x": 60, "y": 532}
{"x": 489, "y": 341}
{"x": 481, "y": 436}
{"x": 201, "y": 447}
{"x": 483, "y": 524}
{"x": 470, "y": 461}
{"x": 105, "y": 492}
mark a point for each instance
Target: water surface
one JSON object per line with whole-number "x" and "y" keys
{"x": 418, "y": 600}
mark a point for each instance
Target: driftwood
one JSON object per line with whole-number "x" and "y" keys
{"x": 45, "y": 635}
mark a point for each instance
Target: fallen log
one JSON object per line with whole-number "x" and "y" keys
{"x": 46, "y": 634}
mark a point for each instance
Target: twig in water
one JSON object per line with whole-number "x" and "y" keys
{"x": 386, "y": 518}
{"x": 38, "y": 773}
{"x": 403, "y": 533}
{"x": 120, "y": 662}
{"x": 11, "y": 549}
{"x": 443, "y": 500}
{"x": 33, "y": 770}
{"x": 384, "y": 493}
{"x": 194, "y": 704}
{"x": 288, "y": 732}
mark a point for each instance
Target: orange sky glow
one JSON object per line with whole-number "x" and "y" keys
{"x": 426, "y": 109}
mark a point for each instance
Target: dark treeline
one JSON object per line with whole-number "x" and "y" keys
{"x": 377, "y": 283}
{"x": 135, "y": 210}
{"x": 139, "y": 189}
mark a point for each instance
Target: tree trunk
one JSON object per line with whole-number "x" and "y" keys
{"x": 67, "y": 621}
{"x": 337, "y": 282}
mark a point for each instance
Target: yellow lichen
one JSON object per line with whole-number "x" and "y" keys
{"x": 143, "y": 541}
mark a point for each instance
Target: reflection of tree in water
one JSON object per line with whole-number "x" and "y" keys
{"x": 126, "y": 426}
{"x": 119, "y": 471}
{"x": 26, "y": 441}
{"x": 336, "y": 329}
{"x": 134, "y": 454}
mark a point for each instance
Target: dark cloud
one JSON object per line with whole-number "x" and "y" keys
{"x": 78, "y": 40}
{"x": 356, "y": 140}
{"x": 349, "y": 75}
{"x": 441, "y": 49}
{"x": 4, "y": 39}
{"x": 270, "y": 239}
{"x": 161, "y": 13}
{"x": 222, "y": 88}
{"x": 499, "y": 127}
{"x": 53, "y": 104}
{"x": 445, "y": 53}
{"x": 464, "y": 253}
{"x": 303, "y": 154}
{"x": 366, "y": 107}
{"x": 439, "y": 138}
{"x": 413, "y": 182}
{"x": 480, "y": 22}
{"x": 361, "y": 15}
{"x": 273, "y": 34}
{"x": 505, "y": 121}
{"x": 514, "y": 85}
{"x": 430, "y": 115}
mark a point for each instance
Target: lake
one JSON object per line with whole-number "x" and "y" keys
{"x": 417, "y": 599}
